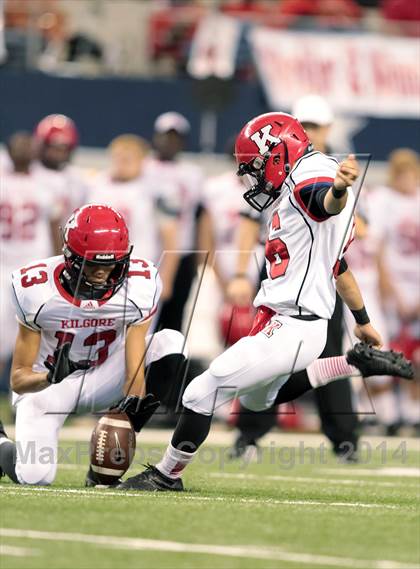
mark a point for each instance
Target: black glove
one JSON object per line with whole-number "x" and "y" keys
{"x": 137, "y": 409}
{"x": 62, "y": 365}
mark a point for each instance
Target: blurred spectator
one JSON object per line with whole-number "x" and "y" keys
{"x": 397, "y": 210}
{"x": 153, "y": 227}
{"x": 178, "y": 184}
{"x": 29, "y": 221}
{"x": 328, "y": 13}
{"x": 171, "y": 31}
{"x": 222, "y": 204}
{"x": 402, "y": 16}
{"x": 37, "y": 33}
{"x": 3, "y": 52}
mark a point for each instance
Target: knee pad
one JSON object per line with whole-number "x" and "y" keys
{"x": 200, "y": 395}
{"x": 38, "y": 474}
{"x": 165, "y": 343}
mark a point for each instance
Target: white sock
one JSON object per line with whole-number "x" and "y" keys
{"x": 174, "y": 461}
{"x": 326, "y": 370}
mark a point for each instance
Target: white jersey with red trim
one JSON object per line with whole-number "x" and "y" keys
{"x": 178, "y": 184}
{"x": 68, "y": 185}
{"x": 27, "y": 206}
{"x": 302, "y": 250}
{"x": 222, "y": 199}
{"x": 397, "y": 220}
{"x": 134, "y": 200}
{"x": 95, "y": 329}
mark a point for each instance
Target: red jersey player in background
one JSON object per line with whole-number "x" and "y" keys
{"x": 57, "y": 139}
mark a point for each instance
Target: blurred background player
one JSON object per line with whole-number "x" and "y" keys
{"x": 397, "y": 208}
{"x": 376, "y": 402}
{"x": 214, "y": 316}
{"x": 29, "y": 220}
{"x": 153, "y": 226}
{"x": 177, "y": 186}
{"x": 57, "y": 139}
{"x": 334, "y": 401}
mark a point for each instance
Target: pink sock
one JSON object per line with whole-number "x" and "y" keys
{"x": 325, "y": 370}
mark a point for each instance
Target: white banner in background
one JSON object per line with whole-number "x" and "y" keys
{"x": 360, "y": 74}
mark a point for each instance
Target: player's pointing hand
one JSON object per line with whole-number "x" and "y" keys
{"x": 347, "y": 172}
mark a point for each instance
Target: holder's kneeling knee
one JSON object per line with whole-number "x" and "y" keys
{"x": 37, "y": 474}
{"x": 165, "y": 343}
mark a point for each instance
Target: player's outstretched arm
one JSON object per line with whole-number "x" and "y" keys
{"x": 22, "y": 378}
{"x": 349, "y": 291}
{"x": 336, "y": 198}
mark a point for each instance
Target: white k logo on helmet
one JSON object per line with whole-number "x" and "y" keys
{"x": 71, "y": 224}
{"x": 262, "y": 137}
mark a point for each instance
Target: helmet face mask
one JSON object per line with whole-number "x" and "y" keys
{"x": 79, "y": 281}
{"x": 261, "y": 193}
{"x": 96, "y": 235}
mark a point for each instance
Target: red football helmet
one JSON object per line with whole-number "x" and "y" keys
{"x": 57, "y": 129}
{"x": 266, "y": 150}
{"x": 96, "y": 234}
{"x": 235, "y": 322}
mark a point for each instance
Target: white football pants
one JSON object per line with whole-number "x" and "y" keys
{"x": 256, "y": 367}
{"x": 39, "y": 416}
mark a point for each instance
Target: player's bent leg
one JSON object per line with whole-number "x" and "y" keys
{"x": 164, "y": 343}
{"x": 165, "y": 366}
{"x": 260, "y": 364}
{"x": 249, "y": 364}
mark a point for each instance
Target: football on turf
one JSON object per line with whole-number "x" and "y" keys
{"x": 112, "y": 447}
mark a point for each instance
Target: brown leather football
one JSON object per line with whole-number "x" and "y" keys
{"x": 112, "y": 447}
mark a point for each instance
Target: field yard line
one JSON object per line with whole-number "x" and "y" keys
{"x": 344, "y": 481}
{"x": 12, "y": 551}
{"x": 184, "y": 497}
{"x": 255, "y": 552}
{"x": 402, "y": 471}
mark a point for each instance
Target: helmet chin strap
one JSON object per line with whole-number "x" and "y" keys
{"x": 82, "y": 289}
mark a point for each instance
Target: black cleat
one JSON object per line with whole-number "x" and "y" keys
{"x": 246, "y": 449}
{"x": 370, "y": 361}
{"x": 152, "y": 480}
{"x": 91, "y": 481}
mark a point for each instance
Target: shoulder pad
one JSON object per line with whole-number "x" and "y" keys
{"x": 32, "y": 287}
{"x": 144, "y": 287}
{"x": 313, "y": 167}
